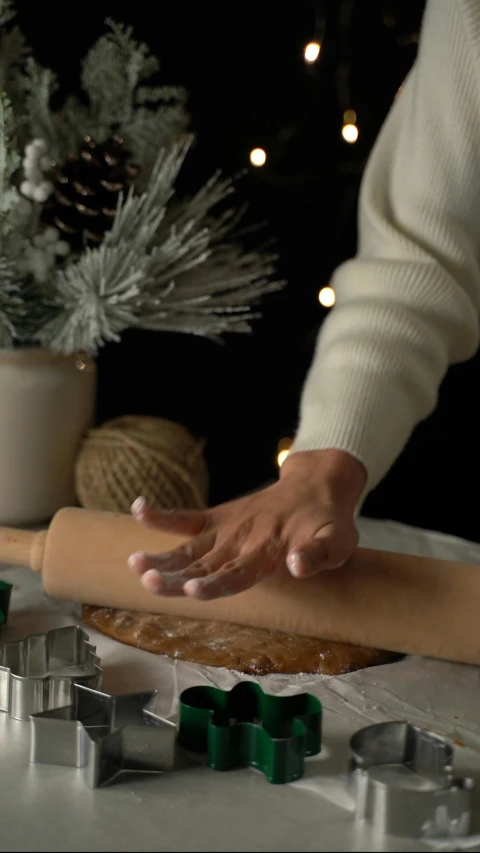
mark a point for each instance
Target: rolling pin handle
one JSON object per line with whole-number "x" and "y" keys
{"x": 22, "y": 548}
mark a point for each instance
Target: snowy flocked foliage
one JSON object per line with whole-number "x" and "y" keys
{"x": 167, "y": 263}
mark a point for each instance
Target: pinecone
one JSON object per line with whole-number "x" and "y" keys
{"x": 86, "y": 191}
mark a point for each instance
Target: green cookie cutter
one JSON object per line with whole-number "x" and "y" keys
{"x": 5, "y": 593}
{"x": 246, "y": 727}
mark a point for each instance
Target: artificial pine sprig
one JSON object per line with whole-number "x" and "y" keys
{"x": 157, "y": 261}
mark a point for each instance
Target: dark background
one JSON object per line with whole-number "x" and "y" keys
{"x": 249, "y": 86}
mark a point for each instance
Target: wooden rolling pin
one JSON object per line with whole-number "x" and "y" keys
{"x": 389, "y": 601}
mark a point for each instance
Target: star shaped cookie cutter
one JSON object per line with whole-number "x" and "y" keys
{"x": 37, "y": 673}
{"x": 401, "y": 779}
{"x": 247, "y": 727}
{"x": 104, "y": 735}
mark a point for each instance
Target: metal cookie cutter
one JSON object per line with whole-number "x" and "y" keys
{"x": 246, "y": 727}
{"x": 5, "y": 593}
{"x": 401, "y": 779}
{"x": 37, "y": 673}
{"x": 104, "y": 735}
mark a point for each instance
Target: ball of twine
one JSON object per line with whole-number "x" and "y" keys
{"x": 135, "y": 455}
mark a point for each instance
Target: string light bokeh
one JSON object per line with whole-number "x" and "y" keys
{"x": 284, "y": 447}
{"x": 312, "y": 51}
{"x": 315, "y": 55}
{"x": 350, "y": 133}
{"x": 326, "y": 297}
{"x": 258, "y": 157}
{"x": 350, "y": 130}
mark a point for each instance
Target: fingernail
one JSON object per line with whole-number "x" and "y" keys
{"x": 150, "y": 580}
{"x": 194, "y": 588}
{"x": 293, "y": 564}
{"x": 139, "y": 505}
{"x": 138, "y": 555}
{"x": 198, "y": 587}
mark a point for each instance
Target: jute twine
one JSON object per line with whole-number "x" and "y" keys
{"x": 135, "y": 455}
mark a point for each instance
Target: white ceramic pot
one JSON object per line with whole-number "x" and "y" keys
{"x": 47, "y": 403}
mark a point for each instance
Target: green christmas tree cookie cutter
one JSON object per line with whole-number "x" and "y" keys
{"x": 5, "y": 593}
{"x": 246, "y": 727}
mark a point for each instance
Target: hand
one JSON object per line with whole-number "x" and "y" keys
{"x": 305, "y": 521}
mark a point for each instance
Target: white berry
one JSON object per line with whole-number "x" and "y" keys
{"x": 50, "y": 235}
{"x": 27, "y": 189}
{"x": 40, "y": 146}
{"x": 62, "y": 248}
{"x": 43, "y": 191}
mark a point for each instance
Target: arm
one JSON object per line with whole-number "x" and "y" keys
{"x": 408, "y": 305}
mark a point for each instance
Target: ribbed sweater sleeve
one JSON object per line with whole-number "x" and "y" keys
{"x": 408, "y": 304}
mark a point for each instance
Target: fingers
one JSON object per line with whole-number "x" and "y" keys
{"x": 173, "y": 583}
{"x": 330, "y": 548}
{"x": 172, "y": 561}
{"x": 230, "y": 553}
{"x": 235, "y": 576}
{"x": 189, "y": 522}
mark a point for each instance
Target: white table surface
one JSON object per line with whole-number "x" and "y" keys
{"x": 46, "y": 808}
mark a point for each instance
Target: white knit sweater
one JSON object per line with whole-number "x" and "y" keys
{"x": 408, "y": 305}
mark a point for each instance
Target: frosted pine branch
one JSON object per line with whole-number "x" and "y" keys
{"x": 9, "y": 159}
{"x": 154, "y": 94}
{"x": 213, "y": 328}
{"x": 10, "y": 302}
{"x": 41, "y": 85}
{"x": 13, "y": 57}
{"x": 211, "y": 300}
{"x": 7, "y": 12}
{"x": 159, "y": 272}
{"x": 96, "y": 299}
{"x": 13, "y": 52}
{"x": 148, "y": 116}
{"x": 167, "y": 263}
{"x": 120, "y": 95}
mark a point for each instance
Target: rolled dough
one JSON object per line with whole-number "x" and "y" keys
{"x": 253, "y": 651}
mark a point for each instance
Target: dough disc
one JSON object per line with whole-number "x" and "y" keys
{"x": 253, "y": 651}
